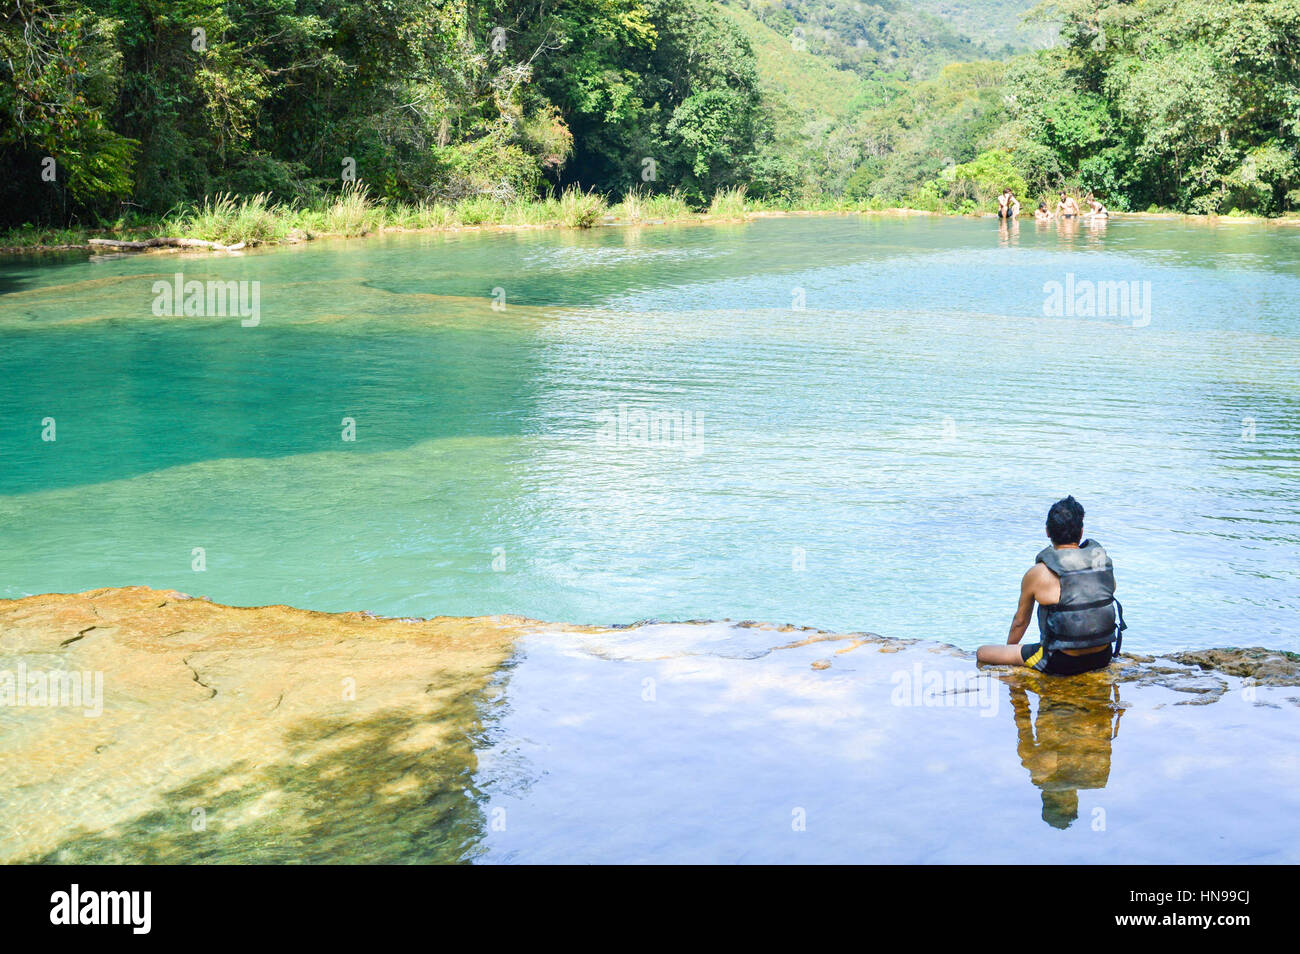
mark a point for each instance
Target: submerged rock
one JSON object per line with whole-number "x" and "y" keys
{"x": 1265, "y": 667}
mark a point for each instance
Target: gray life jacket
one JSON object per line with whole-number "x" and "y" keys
{"x": 1087, "y": 615}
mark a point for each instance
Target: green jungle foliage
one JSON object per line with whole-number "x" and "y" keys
{"x": 114, "y": 109}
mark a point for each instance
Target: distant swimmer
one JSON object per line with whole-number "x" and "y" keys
{"x": 1042, "y": 213}
{"x": 1067, "y": 208}
{"x": 1079, "y": 619}
{"x": 1008, "y": 205}
{"x": 1098, "y": 210}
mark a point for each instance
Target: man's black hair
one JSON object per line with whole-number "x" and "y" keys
{"x": 1065, "y": 521}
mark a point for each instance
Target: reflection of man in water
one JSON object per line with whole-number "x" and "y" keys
{"x": 1067, "y": 747}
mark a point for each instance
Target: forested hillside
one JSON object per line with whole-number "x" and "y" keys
{"x": 997, "y": 24}
{"x": 113, "y": 107}
{"x": 878, "y": 39}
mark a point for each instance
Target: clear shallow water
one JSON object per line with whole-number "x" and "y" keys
{"x": 899, "y": 437}
{"x": 714, "y": 744}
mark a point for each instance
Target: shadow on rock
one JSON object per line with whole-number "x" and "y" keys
{"x": 395, "y": 788}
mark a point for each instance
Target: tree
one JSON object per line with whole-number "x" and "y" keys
{"x": 58, "y": 68}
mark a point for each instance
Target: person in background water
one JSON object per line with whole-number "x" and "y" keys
{"x": 1097, "y": 209}
{"x": 1067, "y": 208}
{"x": 1008, "y": 205}
{"x": 1079, "y": 619}
{"x": 1042, "y": 213}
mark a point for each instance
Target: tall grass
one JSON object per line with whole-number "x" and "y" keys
{"x": 228, "y": 220}
{"x": 581, "y": 210}
{"x": 478, "y": 210}
{"x": 728, "y": 203}
{"x": 668, "y": 206}
{"x": 640, "y": 206}
{"x": 829, "y": 203}
{"x": 351, "y": 212}
{"x": 31, "y": 236}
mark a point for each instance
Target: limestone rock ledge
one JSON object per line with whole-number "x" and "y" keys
{"x": 223, "y": 710}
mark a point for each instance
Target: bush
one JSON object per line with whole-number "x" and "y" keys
{"x": 989, "y": 174}
{"x": 489, "y": 167}
{"x": 1259, "y": 183}
{"x": 279, "y": 180}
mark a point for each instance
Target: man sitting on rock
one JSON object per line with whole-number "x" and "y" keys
{"x": 1079, "y": 619}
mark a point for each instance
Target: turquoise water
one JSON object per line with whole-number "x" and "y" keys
{"x": 874, "y": 452}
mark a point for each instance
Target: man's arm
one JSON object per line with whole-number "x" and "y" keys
{"x": 1025, "y": 609}
{"x": 1006, "y": 655}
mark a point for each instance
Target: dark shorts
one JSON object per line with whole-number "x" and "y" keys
{"x": 1063, "y": 664}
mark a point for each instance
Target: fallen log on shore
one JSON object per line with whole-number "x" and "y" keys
{"x": 167, "y": 242}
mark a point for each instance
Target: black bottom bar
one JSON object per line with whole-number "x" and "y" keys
{"x": 332, "y": 904}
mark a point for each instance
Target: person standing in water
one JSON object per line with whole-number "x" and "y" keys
{"x": 1008, "y": 205}
{"x": 1067, "y": 208}
{"x": 1079, "y": 619}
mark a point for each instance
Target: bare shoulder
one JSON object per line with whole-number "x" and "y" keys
{"x": 1038, "y": 571}
{"x": 1043, "y": 584}
{"x": 1036, "y": 577}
